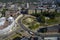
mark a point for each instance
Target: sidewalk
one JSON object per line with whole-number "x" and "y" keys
{"x": 18, "y": 18}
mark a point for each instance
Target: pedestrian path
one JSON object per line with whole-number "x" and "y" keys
{"x": 18, "y": 17}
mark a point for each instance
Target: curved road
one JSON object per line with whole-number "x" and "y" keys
{"x": 34, "y": 33}
{"x": 26, "y": 29}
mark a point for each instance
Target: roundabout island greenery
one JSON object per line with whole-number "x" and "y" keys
{"x": 31, "y": 22}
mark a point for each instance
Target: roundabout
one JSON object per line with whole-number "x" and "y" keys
{"x": 30, "y": 22}
{"x": 25, "y": 27}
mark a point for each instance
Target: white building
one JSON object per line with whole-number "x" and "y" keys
{"x": 10, "y": 19}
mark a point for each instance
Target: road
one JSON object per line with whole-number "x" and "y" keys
{"x": 35, "y": 33}
{"x": 26, "y": 29}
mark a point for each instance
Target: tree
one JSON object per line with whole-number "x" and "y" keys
{"x": 52, "y": 15}
{"x": 58, "y": 4}
{"x": 3, "y": 12}
{"x": 48, "y": 9}
{"x": 26, "y": 11}
{"x": 59, "y": 30}
{"x": 36, "y": 14}
{"x": 35, "y": 10}
{"x": 56, "y": 10}
{"x": 41, "y": 19}
{"x": 41, "y": 10}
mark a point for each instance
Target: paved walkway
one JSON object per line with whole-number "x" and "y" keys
{"x": 18, "y": 17}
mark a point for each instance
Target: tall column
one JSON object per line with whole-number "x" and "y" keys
{"x": 27, "y": 5}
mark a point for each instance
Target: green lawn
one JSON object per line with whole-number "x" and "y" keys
{"x": 34, "y": 26}
{"x": 51, "y": 21}
{"x": 31, "y": 25}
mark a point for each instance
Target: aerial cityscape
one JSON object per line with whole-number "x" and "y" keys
{"x": 29, "y": 19}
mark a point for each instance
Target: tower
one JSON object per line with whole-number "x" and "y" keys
{"x": 27, "y": 5}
